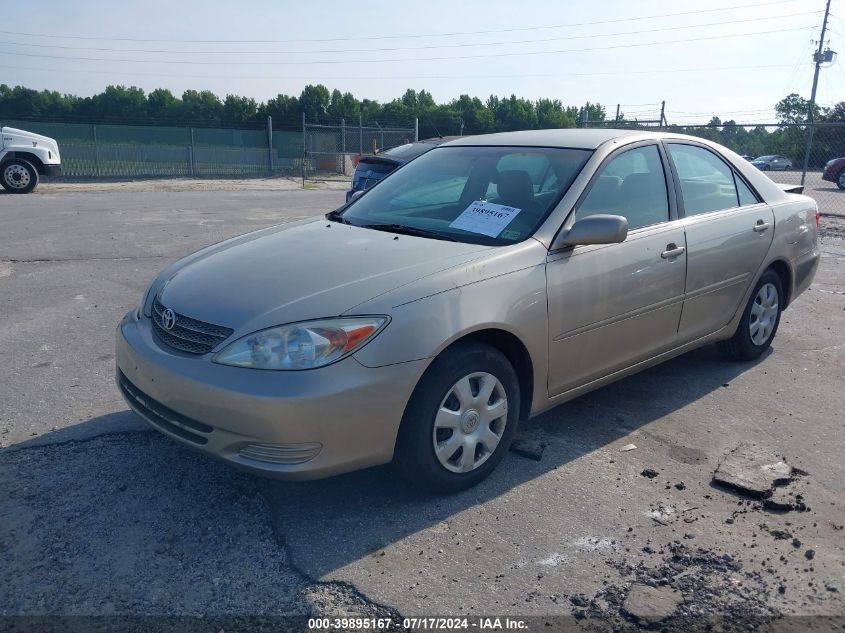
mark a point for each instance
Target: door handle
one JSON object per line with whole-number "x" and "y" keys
{"x": 672, "y": 251}
{"x": 761, "y": 227}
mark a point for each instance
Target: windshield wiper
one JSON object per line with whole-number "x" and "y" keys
{"x": 408, "y": 230}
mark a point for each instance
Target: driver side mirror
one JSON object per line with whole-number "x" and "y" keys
{"x": 594, "y": 229}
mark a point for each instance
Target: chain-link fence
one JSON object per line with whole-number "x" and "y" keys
{"x": 332, "y": 151}
{"x": 781, "y": 150}
{"x": 136, "y": 151}
{"x": 318, "y": 151}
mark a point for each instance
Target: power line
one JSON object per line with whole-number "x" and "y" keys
{"x": 404, "y": 36}
{"x": 406, "y": 59}
{"x": 766, "y": 110}
{"x": 402, "y": 48}
{"x": 412, "y": 77}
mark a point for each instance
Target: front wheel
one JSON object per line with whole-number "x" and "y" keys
{"x": 18, "y": 176}
{"x": 460, "y": 419}
{"x": 759, "y": 322}
{"x": 840, "y": 179}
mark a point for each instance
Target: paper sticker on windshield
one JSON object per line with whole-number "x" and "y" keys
{"x": 485, "y": 218}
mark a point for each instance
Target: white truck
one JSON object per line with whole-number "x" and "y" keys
{"x": 24, "y": 156}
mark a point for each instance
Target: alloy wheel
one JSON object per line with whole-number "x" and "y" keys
{"x": 470, "y": 422}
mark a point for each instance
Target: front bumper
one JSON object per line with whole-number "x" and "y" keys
{"x": 283, "y": 424}
{"x": 52, "y": 171}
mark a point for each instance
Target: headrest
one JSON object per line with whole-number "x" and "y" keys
{"x": 515, "y": 187}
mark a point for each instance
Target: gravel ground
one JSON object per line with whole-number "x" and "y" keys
{"x": 103, "y": 517}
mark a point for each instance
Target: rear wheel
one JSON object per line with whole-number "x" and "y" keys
{"x": 18, "y": 176}
{"x": 759, "y": 322}
{"x": 460, "y": 419}
{"x": 840, "y": 179}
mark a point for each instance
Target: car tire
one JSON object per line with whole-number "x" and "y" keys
{"x": 767, "y": 167}
{"x": 759, "y": 322}
{"x": 436, "y": 417}
{"x": 18, "y": 176}
{"x": 840, "y": 179}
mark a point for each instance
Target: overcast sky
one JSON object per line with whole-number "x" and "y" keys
{"x": 735, "y": 63}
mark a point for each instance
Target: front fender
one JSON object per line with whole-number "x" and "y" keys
{"x": 514, "y": 302}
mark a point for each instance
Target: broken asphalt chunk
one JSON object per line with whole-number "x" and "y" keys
{"x": 753, "y": 472}
{"x": 650, "y": 605}
{"x": 531, "y": 449}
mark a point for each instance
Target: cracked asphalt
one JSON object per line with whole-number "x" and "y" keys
{"x": 101, "y": 516}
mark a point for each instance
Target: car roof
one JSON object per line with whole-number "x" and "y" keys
{"x": 589, "y": 138}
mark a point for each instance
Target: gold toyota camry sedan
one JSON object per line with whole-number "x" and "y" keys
{"x": 478, "y": 285}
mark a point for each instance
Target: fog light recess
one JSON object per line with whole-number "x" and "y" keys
{"x": 281, "y": 453}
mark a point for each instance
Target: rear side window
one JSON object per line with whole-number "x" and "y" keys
{"x": 746, "y": 196}
{"x": 707, "y": 182}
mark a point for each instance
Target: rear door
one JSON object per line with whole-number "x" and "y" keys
{"x": 728, "y": 232}
{"x": 613, "y": 305}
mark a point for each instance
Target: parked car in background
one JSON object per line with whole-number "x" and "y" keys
{"x": 834, "y": 171}
{"x": 371, "y": 169}
{"x": 747, "y": 157}
{"x": 483, "y": 283}
{"x": 24, "y": 156}
{"x": 774, "y": 162}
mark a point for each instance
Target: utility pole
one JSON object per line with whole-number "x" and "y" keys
{"x": 616, "y": 120}
{"x": 304, "y": 150}
{"x": 662, "y": 113}
{"x": 818, "y": 58}
{"x": 270, "y": 143}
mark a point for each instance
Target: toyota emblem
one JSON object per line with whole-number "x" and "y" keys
{"x": 168, "y": 319}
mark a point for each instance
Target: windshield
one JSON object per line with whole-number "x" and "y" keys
{"x": 484, "y": 195}
{"x": 765, "y": 158}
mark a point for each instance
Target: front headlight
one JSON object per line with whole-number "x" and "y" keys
{"x": 301, "y": 345}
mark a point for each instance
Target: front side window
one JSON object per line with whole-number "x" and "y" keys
{"x": 434, "y": 194}
{"x": 707, "y": 182}
{"x": 632, "y": 184}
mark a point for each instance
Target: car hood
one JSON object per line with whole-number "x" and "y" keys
{"x": 304, "y": 270}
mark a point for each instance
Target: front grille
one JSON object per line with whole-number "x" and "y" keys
{"x": 175, "y": 423}
{"x": 188, "y": 335}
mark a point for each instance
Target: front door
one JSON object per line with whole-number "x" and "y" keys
{"x": 613, "y": 305}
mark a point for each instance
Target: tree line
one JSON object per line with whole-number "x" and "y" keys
{"x": 121, "y": 104}
{"x": 464, "y": 115}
